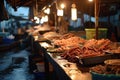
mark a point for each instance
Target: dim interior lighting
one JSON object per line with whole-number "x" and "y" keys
{"x": 90, "y": 0}
{"x": 73, "y": 12}
{"x": 62, "y": 6}
{"x": 59, "y": 12}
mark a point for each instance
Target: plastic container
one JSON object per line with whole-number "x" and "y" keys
{"x": 91, "y": 32}
{"x": 88, "y": 61}
{"x": 96, "y": 76}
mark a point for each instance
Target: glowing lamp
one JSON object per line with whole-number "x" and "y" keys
{"x": 73, "y": 12}
{"x": 47, "y": 11}
{"x": 62, "y": 6}
{"x": 59, "y": 12}
{"x": 90, "y": 0}
{"x": 37, "y": 20}
{"x": 46, "y": 18}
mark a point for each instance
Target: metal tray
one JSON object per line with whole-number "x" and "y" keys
{"x": 94, "y": 60}
{"x": 114, "y": 55}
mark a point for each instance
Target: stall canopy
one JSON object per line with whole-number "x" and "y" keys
{"x": 3, "y": 12}
{"x": 107, "y": 7}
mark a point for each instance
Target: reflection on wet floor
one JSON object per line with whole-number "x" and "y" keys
{"x": 14, "y": 65}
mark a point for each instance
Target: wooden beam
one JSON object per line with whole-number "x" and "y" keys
{"x": 96, "y": 17}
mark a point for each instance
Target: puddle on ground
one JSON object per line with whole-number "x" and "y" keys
{"x": 14, "y": 66}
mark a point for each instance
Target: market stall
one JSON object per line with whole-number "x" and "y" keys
{"x": 72, "y": 56}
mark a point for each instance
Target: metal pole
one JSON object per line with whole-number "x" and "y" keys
{"x": 96, "y": 17}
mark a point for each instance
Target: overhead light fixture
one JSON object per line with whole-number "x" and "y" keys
{"x": 47, "y": 11}
{"x": 60, "y": 12}
{"x": 37, "y": 20}
{"x": 46, "y": 18}
{"x": 62, "y": 6}
{"x": 90, "y": 0}
{"x": 73, "y": 12}
{"x": 42, "y": 20}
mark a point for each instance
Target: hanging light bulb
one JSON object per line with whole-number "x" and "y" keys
{"x": 90, "y": 0}
{"x": 42, "y": 20}
{"x": 60, "y": 12}
{"x": 73, "y": 12}
{"x": 62, "y": 6}
{"x": 47, "y": 11}
{"x": 36, "y": 20}
{"x": 46, "y": 18}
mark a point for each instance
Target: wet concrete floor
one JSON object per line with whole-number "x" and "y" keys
{"x": 14, "y": 65}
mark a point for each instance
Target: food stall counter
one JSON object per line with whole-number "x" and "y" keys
{"x": 65, "y": 70}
